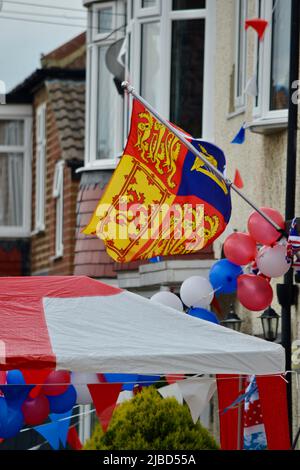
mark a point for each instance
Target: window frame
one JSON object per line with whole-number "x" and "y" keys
{"x": 94, "y": 20}
{"x": 40, "y": 167}
{"x": 240, "y": 100}
{"x": 96, "y": 41}
{"x": 145, "y": 12}
{"x": 166, "y": 18}
{"x": 263, "y": 56}
{"x": 24, "y": 113}
{"x": 58, "y": 195}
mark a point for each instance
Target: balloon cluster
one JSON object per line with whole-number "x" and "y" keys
{"x": 266, "y": 256}
{"x": 23, "y": 403}
{"x": 259, "y": 248}
{"x": 57, "y": 392}
{"x": 196, "y": 293}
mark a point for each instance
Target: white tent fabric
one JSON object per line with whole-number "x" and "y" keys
{"x": 128, "y": 334}
{"x": 80, "y": 324}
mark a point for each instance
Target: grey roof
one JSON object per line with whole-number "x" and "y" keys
{"x": 67, "y": 100}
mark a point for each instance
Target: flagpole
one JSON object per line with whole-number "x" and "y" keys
{"x": 130, "y": 89}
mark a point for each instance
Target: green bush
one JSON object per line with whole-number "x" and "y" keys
{"x": 149, "y": 422}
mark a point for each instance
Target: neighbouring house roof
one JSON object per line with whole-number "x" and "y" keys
{"x": 67, "y": 100}
{"x": 69, "y": 55}
{"x": 24, "y": 92}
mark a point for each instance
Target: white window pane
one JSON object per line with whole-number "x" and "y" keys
{"x": 150, "y": 62}
{"x": 187, "y": 75}
{"x": 106, "y": 114}
{"x": 105, "y": 20}
{"x": 188, "y": 4}
{"x": 149, "y": 3}
{"x": 279, "y": 90}
{"x": 11, "y": 189}
{"x": 241, "y": 48}
{"x": 11, "y": 132}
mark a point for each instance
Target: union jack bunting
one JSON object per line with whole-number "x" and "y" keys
{"x": 293, "y": 246}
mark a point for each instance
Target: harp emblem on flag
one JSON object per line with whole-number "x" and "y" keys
{"x": 199, "y": 165}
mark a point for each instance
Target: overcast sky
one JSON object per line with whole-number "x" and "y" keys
{"x": 22, "y": 42}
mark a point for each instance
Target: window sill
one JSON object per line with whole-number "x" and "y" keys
{"x": 99, "y": 165}
{"x": 14, "y": 233}
{"x": 268, "y": 125}
{"x": 235, "y": 113}
{"x": 38, "y": 231}
{"x": 56, "y": 258}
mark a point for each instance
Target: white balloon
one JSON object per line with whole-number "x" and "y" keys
{"x": 196, "y": 291}
{"x": 80, "y": 381}
{"x": 169, "y": 299}
{"x": 271, "y": 261}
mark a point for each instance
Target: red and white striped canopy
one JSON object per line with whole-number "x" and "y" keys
{"x": 81, "y": 324}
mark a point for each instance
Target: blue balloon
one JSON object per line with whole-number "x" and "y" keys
{"x": 203, "y": 315}
{"x": 15, "y": 377}
{"x": 13, "y": 424}
{"x": 223, "y": 276}
{"x": 122, "y": 379}
{"x": 64, "y": 402}
{"x": 3, "y": 410}
{"x": 16, "y": 390}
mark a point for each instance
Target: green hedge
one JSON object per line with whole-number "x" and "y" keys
{"x": 149, "y": 422}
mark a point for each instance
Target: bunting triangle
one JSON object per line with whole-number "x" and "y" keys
{"x": 238, "y": 181}
{"x": 50, "y": 433}
{"x": 105, "y": 397}
{"x": 73, "y": 439}
{"x": 2, "y": 377}
{"x": 35, "y": 377}
{"x": 259, "y": 25}
{"x": 63, "y": 423}
{"x": 171, "y": 391}
{"x": 251, "y": 86}
{"x": 172, "y": 379}
{"x": 197, "y": 393}
{"x": 240, "y": 136}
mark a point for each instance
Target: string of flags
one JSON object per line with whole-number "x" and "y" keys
{"x": 293, "y": 246}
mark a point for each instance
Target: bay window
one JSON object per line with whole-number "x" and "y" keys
{"x": 15, "y": 171}
{"x": 272, "y": 65}
{"x": 169, "y": 60}
{"x": 171, "y": 63}
{"x": 104, "y": 128}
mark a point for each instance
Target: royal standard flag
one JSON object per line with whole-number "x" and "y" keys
{"x": 161, "y": 200}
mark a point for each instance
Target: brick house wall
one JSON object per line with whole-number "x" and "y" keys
{"x": 43, "y": 244}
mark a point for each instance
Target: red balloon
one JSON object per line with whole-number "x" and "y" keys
{"x": 54, "y": 383}
{"x": 261, "y": 230}
{"x": 240, "y": 248}
{"x": 36, "y": 410}
{"x": 254, "y": 292}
